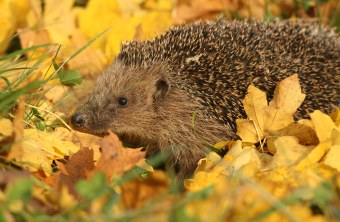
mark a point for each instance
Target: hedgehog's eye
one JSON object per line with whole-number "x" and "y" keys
{"x": 122, "y": 101}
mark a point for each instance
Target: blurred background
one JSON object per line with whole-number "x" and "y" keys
{"x": 72, "y": 23}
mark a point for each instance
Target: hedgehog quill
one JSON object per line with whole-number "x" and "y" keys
{"x": 184, "y": 89}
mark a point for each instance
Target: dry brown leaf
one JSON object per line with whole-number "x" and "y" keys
{"x": 116, "y": 160}
{"x": 79, "y": 166}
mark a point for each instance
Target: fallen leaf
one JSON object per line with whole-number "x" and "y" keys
{"x": 96, "y": 17}
{"x": 79, "y": 166}
{"x": 189, "y": 10}
{"x": 315, "y": 155}
{"x": 223, "y": 144}
{"x": 56, "y": 20}
{"x": 286, "y": 100}
{"x": 116, "y": 160}
{"x": 137, "y": 193}
{"x": 335, "y": 115}
{"x": 288, "y": 152}
{"x": 90, "y": 61}
{"x": 6, "y": 127}
{"x": 16, "y": 152}
{"x": 55, "y": 93}
{"x": 208, "y": 162}
{"x": 267, "y": 120}
{"x": 303, "y": 130}
{"x": 78, "y": 138}
{"x": 7, "y": 24}
{"x": 323, "y": 125}
{"x": 61, "y": 199}
{"x": 332, "y": 157}
{"x": 204, "y": 179}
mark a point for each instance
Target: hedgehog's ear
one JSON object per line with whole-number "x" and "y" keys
{"x": 162, "y": 89}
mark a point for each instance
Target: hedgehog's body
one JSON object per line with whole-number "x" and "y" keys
{"x": 201, "y": 72}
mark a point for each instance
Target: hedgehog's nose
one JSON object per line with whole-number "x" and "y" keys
{"x": 77, "y": 120}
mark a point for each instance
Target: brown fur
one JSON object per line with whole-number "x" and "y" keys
{"x": 159, "y": 122}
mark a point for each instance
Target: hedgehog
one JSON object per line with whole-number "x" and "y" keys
{"x": 181, "y": 92}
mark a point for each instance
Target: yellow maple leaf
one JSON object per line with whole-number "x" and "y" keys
{"x": 266, "y": 120}
{"x": 98, "y": 16}
{"x": 214, "y": 207}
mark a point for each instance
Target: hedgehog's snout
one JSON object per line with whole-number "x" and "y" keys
{"x": 78, "y": 120}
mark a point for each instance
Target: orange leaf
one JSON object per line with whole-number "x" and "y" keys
{"x": 116, "y": 160}
{"x": 77, "y": 168}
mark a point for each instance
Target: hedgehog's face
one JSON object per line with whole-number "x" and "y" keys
{"x": 125, "y": 100}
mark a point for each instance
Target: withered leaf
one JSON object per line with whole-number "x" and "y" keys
{"x": 116, "y": 160}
